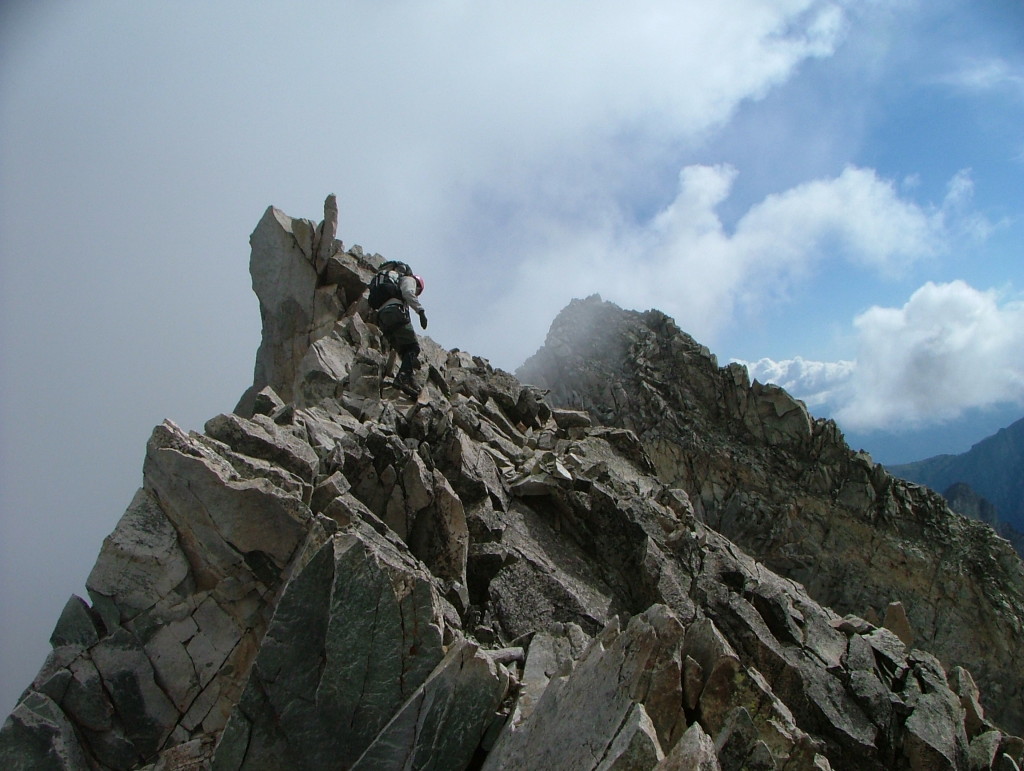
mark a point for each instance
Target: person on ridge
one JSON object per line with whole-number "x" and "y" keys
{"x": 393, "y": 291}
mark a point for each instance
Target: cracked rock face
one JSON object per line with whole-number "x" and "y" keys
{"x": 787, "y": 489}
{"x": 336, "y": 577}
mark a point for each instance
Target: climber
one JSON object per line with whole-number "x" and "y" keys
{"x": 393, "y": 291}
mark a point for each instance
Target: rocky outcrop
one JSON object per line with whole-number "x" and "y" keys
{"x": 304, "y": 284}
{"x": 344, "y": 578}
{"x": 785, "y": 487}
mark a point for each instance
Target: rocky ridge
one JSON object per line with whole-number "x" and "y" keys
{"x": 786, "y": 488}
{"x": 332, "y": 577}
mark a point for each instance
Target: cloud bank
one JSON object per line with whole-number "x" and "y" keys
{"x": 687, "y": 263}
{"x": 949, "y": 349}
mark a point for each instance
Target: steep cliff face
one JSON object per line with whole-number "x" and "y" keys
{"x": 785, "y": 487}
{"x": 342, "y": 577}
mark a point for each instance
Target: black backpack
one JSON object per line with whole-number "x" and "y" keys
{"x": 384, "y": 285}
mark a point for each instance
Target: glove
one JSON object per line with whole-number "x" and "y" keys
{"x": 423, "y": 320}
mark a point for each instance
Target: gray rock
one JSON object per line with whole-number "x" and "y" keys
{"x": 324, "y": 427}
{"x": 784, "y": 420}
{"x": 473, "y": 470}
{"x": 896, "y": 621}
{"x": 328, "y": 365}
{"x": 566, "y": 419}
{"x": 77, "y": 625}
{"x": 635, "y": 745}
{"x": 693, "y": 682}
{"x": 981, "y": 755}
{"x": 544, "y": 582}
{"x": 285, "y": 289}
{"x": 693, "y": 752}
{"x": 745, "y": 452}
{"x": 140, "y": 563}
{"x": 963, "y": 686}
{"x": 142, "y": 707}
{"x": 734, "y": 693}
{"x": 551, "y": 653}
{"x": 223, "y": 523}
{"x": 933, "y": 737}
{"x": 266, "y": 402}
{"x": 444, "y": 721}
{"x": 853, "y": 625}
{"x": 890, "y": 651}
{"x": 189, "y": 756}
{"x": 860, "y": 656}
{"x": 735, "y": 741}
{"x": 167, "y": 650}
{"x": 262, "y": 438}
{"x": 38, "y": 735}
{"x": 439, "y": 535}
{"x": 493, "y": 411}
{"x": 216, "y": 636}
{"x": 86, "y": 701}
{"x": 530, "y": 485}
{"x": 248, "y": 467}
{"x": 1006, "y": 763}
{"x": 335, "y": 486}
{"x": 580, "y": 716}
{"x": 361, "y": 628}
{"x": 304, "y": 284}
{"x": 324, "y": 243}
{"x": 1013, "y": 747}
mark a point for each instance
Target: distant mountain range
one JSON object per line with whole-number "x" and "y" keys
{"x": 993, "y": 472}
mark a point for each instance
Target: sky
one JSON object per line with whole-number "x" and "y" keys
{"x": 826, "y": 190}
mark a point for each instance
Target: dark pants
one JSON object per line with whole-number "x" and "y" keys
{"x": 394, "y": 323}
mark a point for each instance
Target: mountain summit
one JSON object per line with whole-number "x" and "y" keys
{"x": 338, "y": 576}
{"x": 785, "y": 487}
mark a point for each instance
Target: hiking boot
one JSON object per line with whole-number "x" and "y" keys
{"x": 405, "y": 383}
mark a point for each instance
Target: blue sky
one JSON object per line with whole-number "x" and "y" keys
{"x": 829, "y": 191}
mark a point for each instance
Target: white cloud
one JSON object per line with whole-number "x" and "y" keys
{"x": 534, "y": 156}
{"x": 686, "y": 263}
{"x": 988, "y": 74}
{"x": 551, "y": 107}
{"x": 949, "y": 349}
{"x": 957, "y": 212}
{"x": 815, "y": 382}
{"x": 856, "y": 214}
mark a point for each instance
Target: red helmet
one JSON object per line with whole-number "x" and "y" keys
{"x": 419, "y": 285}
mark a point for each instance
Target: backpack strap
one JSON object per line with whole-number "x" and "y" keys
{"x": 400, "y": 268}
